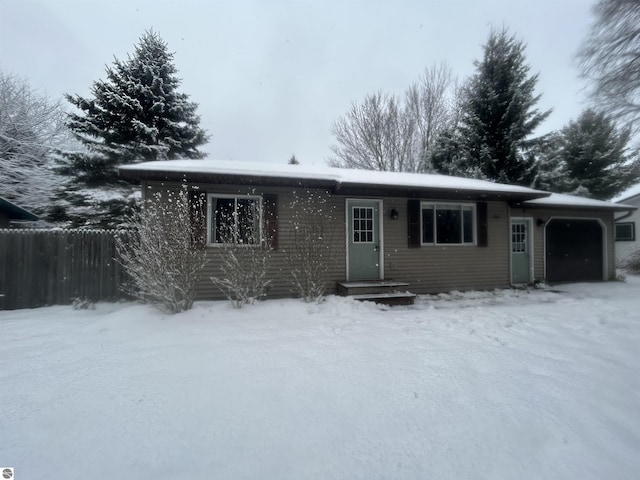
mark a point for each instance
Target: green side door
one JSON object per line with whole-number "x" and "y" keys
{"x": 363, "y": 230}
{"x": 520, "y": 252}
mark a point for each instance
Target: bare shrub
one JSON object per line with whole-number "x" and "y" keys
{"x": 309, "y": 249}
{"x": 82, "y": 303}
{"x": 160, "y": 253}
{"x": 631, "y": 263}
{"x": 244, "y": 255}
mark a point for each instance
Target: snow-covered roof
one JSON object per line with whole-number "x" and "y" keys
{"x": 337, "y": 176}
{"x": 16, "y": 212}
{"x": 562, "y": 200}
{"x": 340, "y": 177}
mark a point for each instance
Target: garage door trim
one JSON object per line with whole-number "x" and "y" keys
{"x": 605, "y": 246}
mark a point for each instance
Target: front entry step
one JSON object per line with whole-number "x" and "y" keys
{"x": 386, "y": 292}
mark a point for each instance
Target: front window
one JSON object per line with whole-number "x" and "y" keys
{"x": 234, "y": 219}
{"x": 445, "y": 224}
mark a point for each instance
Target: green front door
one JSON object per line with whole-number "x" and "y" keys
{"x": 520, "y": 252}
{"x": 363, "y": 230}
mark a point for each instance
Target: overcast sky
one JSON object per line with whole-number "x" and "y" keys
{"x": 271, "y": 77}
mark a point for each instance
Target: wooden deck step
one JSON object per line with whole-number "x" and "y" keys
{"x": 388, "y": 292}
{"x": 393, "y": 298}
{"x": 377, "y": 286}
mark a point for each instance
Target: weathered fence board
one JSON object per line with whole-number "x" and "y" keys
{"x": 52, "y": 267}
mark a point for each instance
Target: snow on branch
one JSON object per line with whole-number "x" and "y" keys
{"x": 159, "y": 253}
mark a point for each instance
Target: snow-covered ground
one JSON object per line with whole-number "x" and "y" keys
{"x": 501, "y": 385}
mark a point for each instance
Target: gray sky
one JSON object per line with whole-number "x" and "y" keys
{"x": 271, "y": 77}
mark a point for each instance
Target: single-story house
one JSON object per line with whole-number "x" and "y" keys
{"x": 433, "y": 232}
{"x": 625, "y": 225}
{"x": 10, "y": 212}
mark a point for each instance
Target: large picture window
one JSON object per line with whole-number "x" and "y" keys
{"x": 234, "y": 219}
{"x": 448, "y": 223}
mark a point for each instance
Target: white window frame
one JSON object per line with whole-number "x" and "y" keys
{"x": 633, "y": 231}
{"x": 353, "y": 218}
{"x": 434, "y": 206}
{"x": 210, "y": 237}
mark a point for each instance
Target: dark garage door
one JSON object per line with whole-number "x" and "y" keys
{"x": 574, "y": 250}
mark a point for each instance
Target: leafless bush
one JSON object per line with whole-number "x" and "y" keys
{"x": 309, "y": 249}
{"x": 631, "y": 263}
{"x": 244, "y": 261}
{"x": 160, "y": 254}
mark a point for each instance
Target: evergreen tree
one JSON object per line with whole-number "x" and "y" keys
{"x": 137, "y": 114}
{"x": 549, "y": 171}
{"x": 447, "y": 156}
{"x": 597, "y": 157}
{"x": 499, "y": 114}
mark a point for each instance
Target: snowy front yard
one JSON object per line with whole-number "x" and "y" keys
{"x": 500, "y": 385}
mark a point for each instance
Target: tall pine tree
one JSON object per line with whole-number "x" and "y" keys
{"x": 499, "y": 114}
{"x": 596, "y": 156}
{"x": 137, "y": 114}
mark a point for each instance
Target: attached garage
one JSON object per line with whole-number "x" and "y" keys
{"x": 571, "y": 237}
{"x": 574, "y": 250}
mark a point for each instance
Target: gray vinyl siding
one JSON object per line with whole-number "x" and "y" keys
{"x": 438, "y": 268}
{"x": 279, "y": 271}
{"x": 428, "y": 268}
{"x": 544, "y": 215}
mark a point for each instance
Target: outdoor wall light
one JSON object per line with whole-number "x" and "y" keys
{"x": 394, "y": 214}
{"x": 540, "y": 222}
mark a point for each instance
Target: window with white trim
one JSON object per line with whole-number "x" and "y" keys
{"x": 448, "y": 223}
{"x": 234, "y": 219}
{"x": 518, "y": 238}
{"x": 625, "y": 232}
{"x": 362, "y": 224}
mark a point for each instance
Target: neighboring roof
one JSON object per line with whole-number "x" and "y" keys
{"x": 14, "y": 212}
{"x": 629, "y": 193}
{"x": 327, "y": 177}
{"x": 562, "y": 200}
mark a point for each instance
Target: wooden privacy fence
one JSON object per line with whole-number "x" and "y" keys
{"x": 52, "y": 267}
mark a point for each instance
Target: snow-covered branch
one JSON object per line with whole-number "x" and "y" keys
{"x": 159, "y": 253}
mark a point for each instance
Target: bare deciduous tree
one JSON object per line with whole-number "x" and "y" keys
{"x": 31, "y": 128}
{"x": 376, "y": 134}
{"x": 610, "y": 59}
{"x": 160, "y": 254}
{"x": 391, "y": 134}
{"x": 431, "y": 102}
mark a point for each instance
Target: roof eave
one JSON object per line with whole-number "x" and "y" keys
{"x": 344, "y": 188}
{"x": 619, "y": 208}
{"x": 17, "y": 213}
